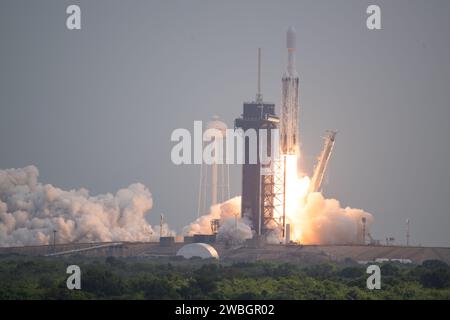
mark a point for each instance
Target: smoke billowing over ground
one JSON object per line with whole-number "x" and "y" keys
{"x": 319, "y": 221}
{"x": 324, "y": 221}
{"x": 30, "y": 211}
{"x": 232, "y": 228}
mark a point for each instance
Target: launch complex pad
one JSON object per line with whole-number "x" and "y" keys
{"x": 301, "y": 254}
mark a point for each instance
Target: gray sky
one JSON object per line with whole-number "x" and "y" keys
{"x": 95, "y": 108}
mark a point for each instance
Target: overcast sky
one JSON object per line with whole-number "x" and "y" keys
{"x": 95, "y": 108}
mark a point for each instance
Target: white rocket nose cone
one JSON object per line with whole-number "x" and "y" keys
{"x": 290, "y": 39}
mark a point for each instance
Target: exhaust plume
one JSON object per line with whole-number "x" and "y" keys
{"x": 324, "y": 221}
{"x": 31, "y": 211}
{"x": 232, "y": 228}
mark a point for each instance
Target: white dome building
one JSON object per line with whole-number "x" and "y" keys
{"x": 201, "y": 250}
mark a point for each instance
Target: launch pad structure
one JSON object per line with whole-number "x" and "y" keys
{"x": 264, "y": 185}
{"x": 261, "y": 187}
{"x": 302, "y": 254}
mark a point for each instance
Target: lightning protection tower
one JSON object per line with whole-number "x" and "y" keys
{"x": 214, "y": 185}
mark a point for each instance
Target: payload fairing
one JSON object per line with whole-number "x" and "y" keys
{"x": 290, "y": 100}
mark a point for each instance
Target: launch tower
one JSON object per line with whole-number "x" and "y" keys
{"x": 257, "y": 182}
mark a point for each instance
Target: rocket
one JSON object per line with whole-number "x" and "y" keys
{"x": 289, "y": 100}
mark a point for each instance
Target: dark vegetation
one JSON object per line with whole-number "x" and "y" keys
{"x": 112, "y": 278}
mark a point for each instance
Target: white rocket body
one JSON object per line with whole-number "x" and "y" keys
{"x": 290, "y": 100}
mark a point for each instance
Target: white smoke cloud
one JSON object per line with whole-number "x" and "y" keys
{"x": 323, "y": 221}
{"x": 231, "y": 229}
{"x": 275, "y": 235}
{"x": 320, "y": 220}
{"x": 234, "y": 231}
{"x": 30, "y": 211}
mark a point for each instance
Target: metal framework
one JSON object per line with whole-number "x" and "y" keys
{"x": 215, "y": 225}
{"x": 273, "y": 193}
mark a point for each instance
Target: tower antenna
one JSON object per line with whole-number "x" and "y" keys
{"x": 407, "y": 232}
{"x": 259, "y": 97}
{"x": 54, "y": 240}
{"x": 364, "y": 221}
{"x": 161, "y": 225}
